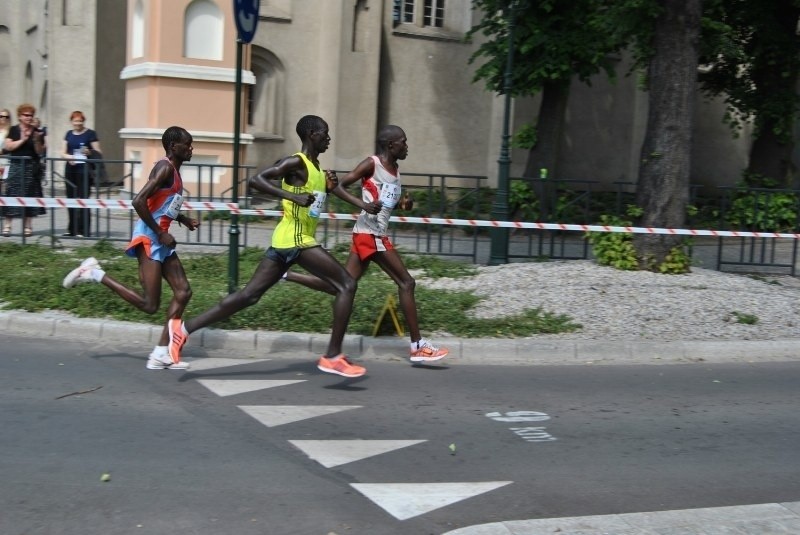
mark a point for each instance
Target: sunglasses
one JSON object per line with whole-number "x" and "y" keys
{"x": 26, "y": 114}
{"x": 5, "y": 117}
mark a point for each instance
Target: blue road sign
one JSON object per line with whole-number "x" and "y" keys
{"x": 246, "y": 16}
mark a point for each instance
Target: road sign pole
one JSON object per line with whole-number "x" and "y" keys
{"x": 233, "y": 231}
{"x": 246, "y": 19}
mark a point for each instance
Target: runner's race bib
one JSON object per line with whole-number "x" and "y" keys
{"x": 319, "y": 202}
{"x": 390, "y": 195}
{"x": 174, "y": 207}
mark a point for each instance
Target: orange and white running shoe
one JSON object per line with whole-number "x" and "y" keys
{"x": 177, "y": 339}
{"x": 340, "y": 366}
{"x": 424, "y": 351}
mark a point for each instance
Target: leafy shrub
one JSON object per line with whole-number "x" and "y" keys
{"x": 759, "y": 204}
{"x": 522, "y": 202}
{"x": 763, "y": 210}
{"x": 614, "y": 249}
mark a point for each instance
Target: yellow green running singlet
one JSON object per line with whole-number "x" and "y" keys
{"x": 297, "y": 228}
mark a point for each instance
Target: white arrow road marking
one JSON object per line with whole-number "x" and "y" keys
{"x": 407, "y": 500}
{"x": 272, "y": 415}
{"x": 330, "y": 453}
{"x": 231, "y": 387}
{"x": 211, "y": 363}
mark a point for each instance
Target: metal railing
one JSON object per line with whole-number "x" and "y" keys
{"x": 449, "y": 197}
{"x": 754, "y": 209}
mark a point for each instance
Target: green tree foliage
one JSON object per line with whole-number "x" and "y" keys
{"x": 553, "y": 42}
{"x": 747, "y": 52}
{"x": 751, "y": 58}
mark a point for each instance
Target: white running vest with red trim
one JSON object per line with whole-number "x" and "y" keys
{"x": 383, "y": 185}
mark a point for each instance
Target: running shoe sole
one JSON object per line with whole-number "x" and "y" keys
{"x": 418, "y": 358}
{"x": 154, "y": 364}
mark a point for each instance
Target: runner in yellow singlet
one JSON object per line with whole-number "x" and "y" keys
{"x": 298, "y": 225}
{"x": 302, "y": 185}
{"x": 379, "y": 178}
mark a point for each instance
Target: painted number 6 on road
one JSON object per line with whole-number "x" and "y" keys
{"x": 518, "y": 416}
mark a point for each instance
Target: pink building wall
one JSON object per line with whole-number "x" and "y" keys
{"x": 166, "y": 88}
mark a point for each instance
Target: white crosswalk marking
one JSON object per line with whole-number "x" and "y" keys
{"x": 401, "y": 500}
{"x": 231, "y": 387}
{"x": 330, "y": 453}
{"x": 273, "y": 415}
{"x": 212, "y": 363}
{"x": 407, "y": 500}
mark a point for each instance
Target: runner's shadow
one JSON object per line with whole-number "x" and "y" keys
{"x": 302, "y": 370}
{"x": 439, "y": 367}
{"x": 347, "y": 384}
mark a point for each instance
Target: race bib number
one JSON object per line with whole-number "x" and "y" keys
{"x": 174, "y": 207}
{"x": 318, "y": 205}
{"x": 390, "y": 195}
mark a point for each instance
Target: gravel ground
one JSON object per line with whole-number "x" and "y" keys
{"x": 637, "y": 305}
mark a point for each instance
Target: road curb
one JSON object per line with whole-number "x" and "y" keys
{"x": 516, "y": 351}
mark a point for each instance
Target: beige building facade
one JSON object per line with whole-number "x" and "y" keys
{"x": 136, "y": 67}
{"x": 63, "y": 56}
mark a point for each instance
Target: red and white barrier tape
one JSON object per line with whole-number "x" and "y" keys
{"x": 122, "y": 204}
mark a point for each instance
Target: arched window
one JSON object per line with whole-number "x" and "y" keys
{"x": 137, "y": 31}
{"x": 265, "y": 97}
{"x": 203, "y": 30}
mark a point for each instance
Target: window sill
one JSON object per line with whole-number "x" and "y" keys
{"x": 433, "y": 34}
{"x": 273, "y": 14}
{"x": 266, "y": 136}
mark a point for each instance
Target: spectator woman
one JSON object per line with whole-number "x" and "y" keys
{"x": 5, "y": 125}
{"x": 23, "y": 144}
{"x": 79, "y": 144}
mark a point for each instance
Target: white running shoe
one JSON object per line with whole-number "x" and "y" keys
{"x": 82, "y": 273}
{"x": 164, "y": 362}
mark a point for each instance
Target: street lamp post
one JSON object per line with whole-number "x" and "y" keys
{"x": 499, "y": 236}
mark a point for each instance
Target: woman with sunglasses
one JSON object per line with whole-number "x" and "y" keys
{"x": 24, "y": 143}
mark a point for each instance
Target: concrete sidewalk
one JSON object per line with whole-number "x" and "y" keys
{"x": 758, "y": 519}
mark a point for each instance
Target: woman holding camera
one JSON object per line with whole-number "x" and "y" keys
{"x": 23, "y": 144}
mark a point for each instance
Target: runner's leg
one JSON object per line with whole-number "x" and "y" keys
{"x": 321, "y": 264}
{"x": 266, "y": 275}
{"x": 175, "y": 276}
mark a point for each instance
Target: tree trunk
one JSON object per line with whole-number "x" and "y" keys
{"x": 662, "y": 191}
{"x": 770, "y": 158}
{"x": 544, "y": 154}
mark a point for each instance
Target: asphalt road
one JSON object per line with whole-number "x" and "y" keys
{"x": 276, "y": 447}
